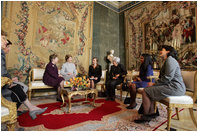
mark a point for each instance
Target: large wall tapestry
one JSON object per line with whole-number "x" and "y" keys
{"x": 157, "y": 23}
{"x": 38, "y": 29}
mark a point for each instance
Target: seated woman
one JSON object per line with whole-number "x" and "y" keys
{"x": 116, "y": 77}
{"x": 141, "y": 81}
{"x": 170, "y": 83}
{"x": 51, "y": 76}
{"x": 95, "y": 72}
{"x": 68, "y": 69}
{"x": 15, "y": 92}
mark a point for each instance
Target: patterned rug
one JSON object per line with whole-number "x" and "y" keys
{"x": 106, "y": 116}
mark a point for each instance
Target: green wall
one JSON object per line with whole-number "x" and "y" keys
{"x": 108, "y": 33}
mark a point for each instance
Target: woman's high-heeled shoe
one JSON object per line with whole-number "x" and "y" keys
{"x": 32, "y": 115}
{"x": 37, "y": 112}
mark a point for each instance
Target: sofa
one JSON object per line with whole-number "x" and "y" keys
{"x": 35, "y": 81}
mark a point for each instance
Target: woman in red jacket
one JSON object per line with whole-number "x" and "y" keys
{"x": 51, "y": 76}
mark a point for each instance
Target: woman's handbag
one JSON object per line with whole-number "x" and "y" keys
{"x": 127, "y": 100}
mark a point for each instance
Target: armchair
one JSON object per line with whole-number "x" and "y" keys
{"x": 8, "y": 109}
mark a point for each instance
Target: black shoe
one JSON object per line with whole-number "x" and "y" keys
{"x": 90, "y": 96}
{"x": 108, "y": 98}
{"x": 112, "y": 99}
{"x": 21, "y": 112}
{"x": 59, "y": 99}
{"x": 144, "y": 118}
{"x": 20, "y": 129}
{"x": 154, "y": 115}
{"x": 141, "y": 109}
{"x": 130, "y": 107}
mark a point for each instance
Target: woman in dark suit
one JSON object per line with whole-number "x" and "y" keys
{"x": 51, "y": 76}
{"x": 95, "y": 72}
{"x": 116, "y": 77}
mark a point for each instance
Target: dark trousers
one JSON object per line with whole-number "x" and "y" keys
{"x": 110, "y": 87}
{"x": 18, "y": 95}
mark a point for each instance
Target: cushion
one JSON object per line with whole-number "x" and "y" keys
{"x": 38, "y": 74}
{"x": 101, "y": 82}
{"x": 103, "y": 74}
{"x": 188, "y": 77}
{"x": 4, "y": 111}
{"x": 179, "y": 99}
{"x": 37, "y": 84}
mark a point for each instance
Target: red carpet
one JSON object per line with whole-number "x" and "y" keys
{"x": 60, "y": 121}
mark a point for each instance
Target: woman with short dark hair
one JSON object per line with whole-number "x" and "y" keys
{"x": 51, "y": 76}
{"x": 170, "y": 83}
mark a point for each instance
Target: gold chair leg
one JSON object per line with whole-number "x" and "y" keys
{"x": 177, "y": 112}
{"x": 192, "y": 116}
{"x": 29, "y": 94}
{"x": 155, "y": 106}
{"x": 121, "y": 94}
{"x": 169, "y": 114}
{"x": 11, "y": 125}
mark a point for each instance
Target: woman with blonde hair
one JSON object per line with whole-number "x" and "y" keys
{"x": 95, "y": 72}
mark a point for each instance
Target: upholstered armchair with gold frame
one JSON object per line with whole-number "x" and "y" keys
{"x": 8, "y": 109}
{"x": 128, "y": 76}
{"x": 102, "y": 82}
{"x": 186, "y": 101}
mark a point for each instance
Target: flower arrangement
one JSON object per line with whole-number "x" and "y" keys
{"x": 79, "y": 83}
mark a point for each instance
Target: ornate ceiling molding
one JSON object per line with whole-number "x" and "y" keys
{"x": 119, "y": 6}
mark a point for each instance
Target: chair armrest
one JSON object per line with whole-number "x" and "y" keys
{"x": 30, "y": 76}
{"x": 152, "y": 77}
{"x": 4, "y": 102}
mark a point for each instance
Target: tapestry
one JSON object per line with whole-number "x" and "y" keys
{"x": 38, "y": 29}
{"x": 153, "y": 24}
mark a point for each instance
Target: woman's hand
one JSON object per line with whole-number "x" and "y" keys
{"x": 114, "y": 78}
{"x": 15, "y": 79}
{"x": 96, "y": 78}
{"x": 138, "y": 79}
{"x": 60, "y": 75}
{"x": 150, "y": 84}
{"x": 117, "y": 75}
{"x": 12, "y": 85}
{"x": 69, "y": 73}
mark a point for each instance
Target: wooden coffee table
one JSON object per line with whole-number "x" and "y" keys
{"x": 66, "y": 93}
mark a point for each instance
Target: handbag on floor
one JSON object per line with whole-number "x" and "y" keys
{"x": 127, "y": 100}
